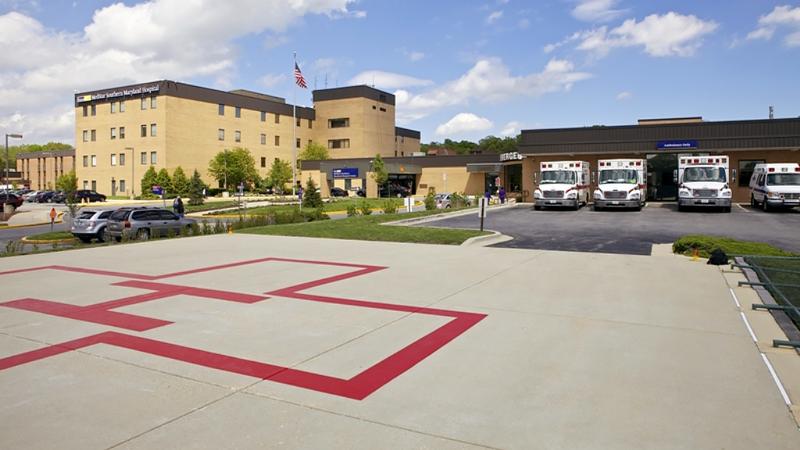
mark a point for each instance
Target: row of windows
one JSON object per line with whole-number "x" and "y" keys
{"x": 120, "y": 106}
{"x": 237, "y": 137}
{"x": 119, "y": 159}
{"x": 339, "y": 143}
{"x": 237, "y": 112}
{"x": 92, "y": 134}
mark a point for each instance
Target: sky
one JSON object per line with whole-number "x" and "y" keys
{"x": 459, "y": 69}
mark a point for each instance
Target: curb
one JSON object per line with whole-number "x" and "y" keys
{"x": 446, "y": 215}
{"x": 25, "y": 240}
{"x": 9, "y": 227}
{"x": 486, "y": 240}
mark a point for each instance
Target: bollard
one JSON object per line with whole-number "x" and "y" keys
{"x": 695, "y": 254}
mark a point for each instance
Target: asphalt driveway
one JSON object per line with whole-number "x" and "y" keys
{"x": 631, "y": 232}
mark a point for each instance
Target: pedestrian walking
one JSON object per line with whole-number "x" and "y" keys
{"x": 177, "y": 206}
{"x": 502, "y": 195}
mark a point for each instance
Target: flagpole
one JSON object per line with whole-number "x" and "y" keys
{"x": 294, "y": 131}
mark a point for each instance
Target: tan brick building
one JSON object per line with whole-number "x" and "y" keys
{"x": 39, "y": 170}
{"x": 121, "y": 132}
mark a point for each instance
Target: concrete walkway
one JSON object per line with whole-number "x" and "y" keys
{"x": 242, "y": 341}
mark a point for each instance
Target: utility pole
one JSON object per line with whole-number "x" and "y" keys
{"x": 15, "y": 136}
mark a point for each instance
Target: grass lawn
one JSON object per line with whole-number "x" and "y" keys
{"x": 51, "y": 236}
{"x": 369, "y": 228}
{"x": 706, "y": 244}
{"x": 207, "y": 206}
{"x": 781, "y": 271}
{"x": 335, "y": 205}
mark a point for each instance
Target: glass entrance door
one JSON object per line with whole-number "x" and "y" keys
{"x": 661, "y": 170}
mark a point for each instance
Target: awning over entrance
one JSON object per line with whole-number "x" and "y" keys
{"x": 485, "y": 167}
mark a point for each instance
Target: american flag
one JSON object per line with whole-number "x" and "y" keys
{"x": 298, "y": 77}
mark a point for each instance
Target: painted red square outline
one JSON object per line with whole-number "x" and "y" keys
{"x": 358, "y": 387}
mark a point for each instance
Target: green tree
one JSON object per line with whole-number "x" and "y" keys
{"x": 280, "y": 173}
{"x": 314, "y": 152}
{"x": 180, "y": 184}
{"x": 68, "y": 183}
{"x": 234, "y": 167}
{"x": 149, "y": 180}
{"x": 196, "y": 187}
{"x": 379, "y": 172}
{"x": 163, "y": 179}
{"x": 311, "y": 197}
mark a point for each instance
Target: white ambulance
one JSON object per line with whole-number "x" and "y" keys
{"x": 562, "y": 183}
{"x": 621, "y": 183}
{"x": 775, "y": 185}
{"x": 703, "y": 181}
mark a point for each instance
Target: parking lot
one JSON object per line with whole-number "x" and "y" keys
{"x": 631, "y": 232}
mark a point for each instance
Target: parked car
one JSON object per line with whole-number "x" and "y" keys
{"x": 443, "y": 201}
{"x": 30, "y": 196}
{"x": 394, "y": 190}
{"x": 361, "y": 193}
{"x": 338, "y": 192}
{"x": 145, "y": 222}
{"x": 59, "y": 197}
{"x": 44, "y": 196}
{"x": 89, "y": 195}
{"x": 11, "y": 199}
{"x": 91, "y": 224}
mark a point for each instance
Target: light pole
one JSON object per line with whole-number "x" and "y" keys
{"x": 133, "y": 183}
{"x": 15, "y": 136}
{"x": 226, "y": 169}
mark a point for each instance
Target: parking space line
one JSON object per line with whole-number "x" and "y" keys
{"x": 742, "y": 207}
{"x": 777, "y": 380}
{"x": 735, "y": 299}
{"x": 749, "y": 328}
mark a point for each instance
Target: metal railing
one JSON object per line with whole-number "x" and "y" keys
{"x": 780, "y": 276}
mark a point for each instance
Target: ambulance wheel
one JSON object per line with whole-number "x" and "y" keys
{"x": 597, "y": 208}
{"x": 765, "y": 205}
{"x": 680, "y": 207}
{"x": 726, "y": 209}
{"x": 752, "y": 201}
{"x": 639, "y": 208}
{"x": 537, "y": 207}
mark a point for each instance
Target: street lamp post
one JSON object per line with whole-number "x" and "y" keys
{"x": 133, "y": 183}
{"x": 226, "y": 169}
{"x": 15, "y": 136}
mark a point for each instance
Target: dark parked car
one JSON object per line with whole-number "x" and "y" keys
{"x": 338, "y": 192}
{"x": 394, "y": 190}
{"x": 44, "y": 196}
{"x": 82, "y": 195}
{"x": 59, "y": 197}
{"x": 361, "y": 193}
{"x": 145, "y": 222}
{"x": 11, "y": 199}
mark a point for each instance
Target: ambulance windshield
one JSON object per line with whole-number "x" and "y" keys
{"x": 716, "y": 174}
{"x": 618, "y": 176}
{"x": 558, "y": 176}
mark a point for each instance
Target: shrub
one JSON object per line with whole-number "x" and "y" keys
{"x": 390, "y": 206}
{"x": 364, "y": 208}
{"x": 430, "y": 200}
{"x": 311, "y": 197}
{"x": 351, "y": 210}
{"x": 707, "y": 244}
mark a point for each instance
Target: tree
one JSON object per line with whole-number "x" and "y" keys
{"x": 379, "y": 173}
{"x": 196, "y": 187}
{"x": 180, "y": 184}
{"x": 234, "y": 167}
{"x": 163, "y": 179}
{"x": 311, "y": 197}
{"x": 68, "y": 183}
{"x": 149, "y": 180}
{"x": 280, "y": 173}
{"x": 314, "y": 152}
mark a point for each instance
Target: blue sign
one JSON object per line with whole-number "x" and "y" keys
{"x": 675, "y": 145}
{"x": 157, "y": 190}
{"x": 346, "y": 172}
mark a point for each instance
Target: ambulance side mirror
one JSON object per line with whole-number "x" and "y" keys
{"x": 594, "y": 176}
{"x": 733, "y": 176}
{"x": 675, "y": 176}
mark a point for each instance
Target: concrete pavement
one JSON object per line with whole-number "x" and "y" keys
{"x": 212, "y": 342}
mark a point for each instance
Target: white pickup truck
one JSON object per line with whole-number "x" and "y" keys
{"x": 703, "y": 182}
{"x": 621, "y": 183}
{"x": 775, "y": 186}
{"x": 562, "y": 183}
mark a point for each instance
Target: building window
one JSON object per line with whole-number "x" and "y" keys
{"x": 383, "y": 109}
{"x": 237, "y": 111}
{"x": 746, "y": 167}
{"x": 309, "y": 142}
{"x": 152, "y": 130}
{"x": 339, "y": 123}
{"x": 221, "y": 134}
{"x": 113, "y": 159}
{"x": 153, "y": 102}
{"x": 85, "y": 184}
{"x": 94, "y": 110}
{"x": 263, "y": 161}
{"x": 277, "y": 141}
{"x": 309, "y": 124}
{"x": 122, "y": 185}
{"x": 339, "y": 143}
{"x": 263, "y": 139}
{"x": 221, "y": 109}
{"x": 144, "y": 103}
{"x": 297, "y": 143}
{"x": 237, "y": 136}
{"x": 122, "y": 132}
{"x": 113, "y": 107}
{"x": 94, "y": 185}
{"x": 121, "y": 106}
{"x": 277, "y": 118}
{"x": 143, "y": 158}
{"x": 153, "y": 158}
{"x": 113, "y": 133}
{"x": 263, "y": 116}
{"x": 298, "y": 121}
{"x": 85, "y": 160}
{"x": 94, "y": 160}
{"x": 85, "y": 135}
{"x": 94, "y": 135}
{"x": 143, "y": 130}
{"x": 122, "y": 159}
{"x": 85, "y": 110}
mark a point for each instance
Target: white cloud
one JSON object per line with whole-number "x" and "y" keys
{"x": 489, "y": 80}
{"x": 597, "y": 10}
{"x": 415, "y": 56}
{"x": 511, "y": 129}
{"x": 781, "y": 16}
{"x": 271, "y": 80}
{"x": 387, "y": 80}
{"x": 43, "y": 67}
{"x": 494, "y": 17}
{"x": 670, "y": 34}
{"x": 624, "y": 95}
{"x": 463, "y": 123}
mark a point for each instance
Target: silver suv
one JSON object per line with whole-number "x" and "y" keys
{"x": 143, "y": 222}
{"x": 90, "y": 224}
